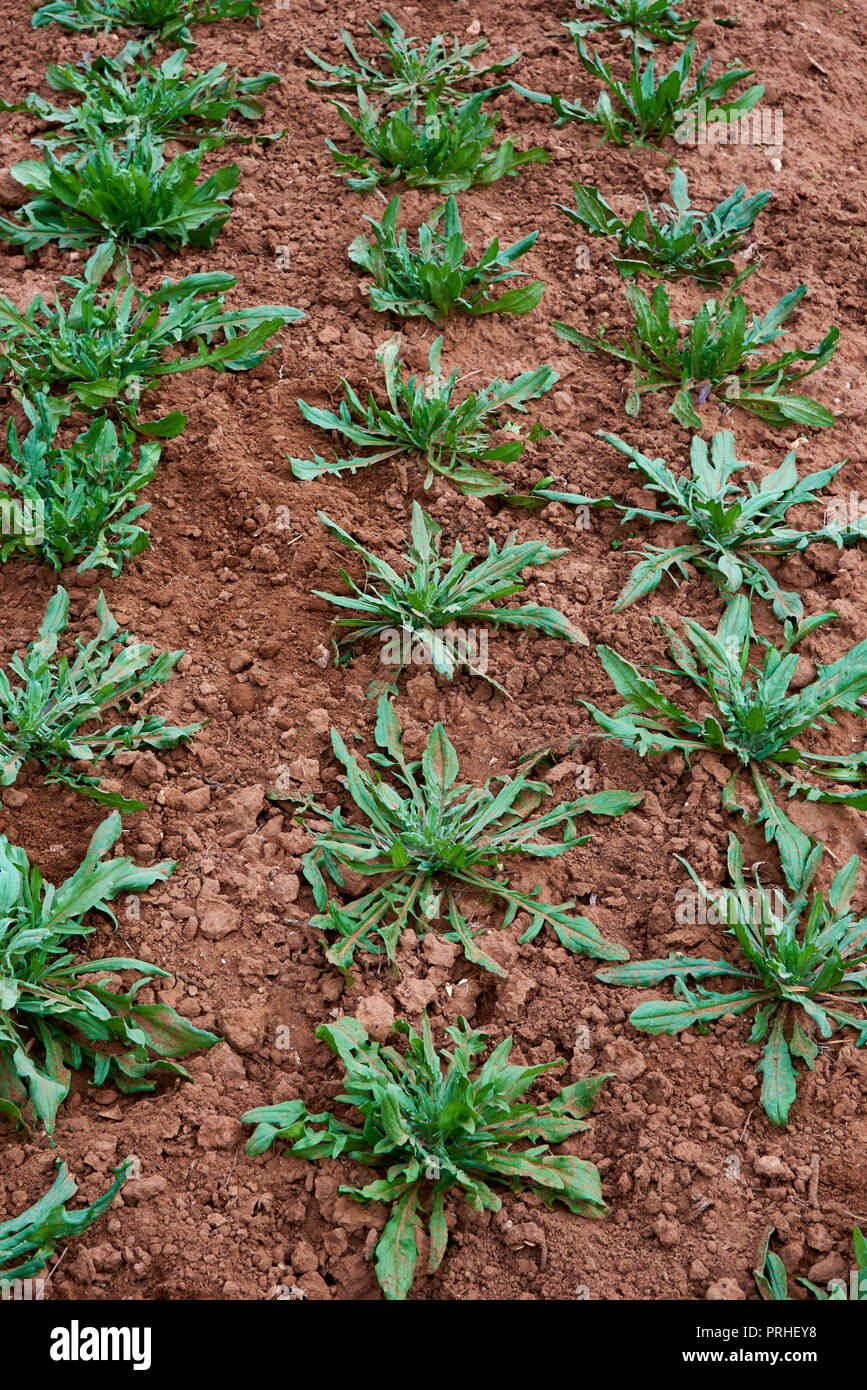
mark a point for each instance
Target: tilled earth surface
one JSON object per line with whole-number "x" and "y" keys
{"x": 692, "y": 1169}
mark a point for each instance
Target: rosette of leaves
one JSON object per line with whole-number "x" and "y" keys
{"x": 119, "y": 195}
{"x": 772, "y": 1277}
{"x": 438, "y": 277}
{"x": 169, "y": 20}
{"x": 75, "y": 502}
{"x": 54, "y": 1018}
{"x": 796, "y": 982}
{"x": 721, "y": 354}
{"x": 447, "y": 148}
{"x": 683, "y": 241}
{"x": 755, "y": 720}
{"x": 737, "y": 527}
{"x": 407, "y": 69}
{"x": 645, "y": 111}
{"x": 437, "y": 1122}
{"x": 433, "y": 594}
{"x": 33, "y": 1237}
{"x": 644, "y": 22}
{"x": 453, "y": 438}
{"x": 424, "y": 835}
{"x": 105, "y": 349}
{"x": 55, "y": 713}
{"x": 115, "y": 98}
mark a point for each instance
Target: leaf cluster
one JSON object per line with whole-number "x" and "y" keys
{"x": 684, "y": 242}
{"x": 453, "y": 437}
{"x": 643, "y": 22}
{"x": 75, "y": 502}
{"x": 115, "y": 99}
{"x": 33, "y": 1236}
{"x": 106, "y": 348}
{"x": 447, "y": 148}
{"x": 736, "y": 527}
{"x": 54, "y": 714}
{"x": 797, "y": 982}
{"x": 716, "y": 356}
{"x": 53, "y": 1020}
{"x": 755, "y": 719}
{"x": 643, "y": 110}
{"x": 169, "y": 20}
{"x": 119, "y": 195}
{"x": 438, "y": 1121}
{"x": 433, "y": 594}
{"x": 438, "y": 277}
{"x": 407, "y": 70}
{"x": 424, "y": 828}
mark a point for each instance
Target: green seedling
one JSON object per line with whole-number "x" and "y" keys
{"x": 55, "y": 714}
{"x": 420, "y": 608}
{"x": 683, "y": 242}
{"x": 772, "y": 1278}
{"x": 117, "y": 98}
{"x": 33, "y": 1237}
{"x": 406, "y": 71}
{"x": 426, "y": 835}
{"x": 119, "y": 196}
{"x": 55, "y": 1020}
{"x": 717, "y": 356}
{"x": 77, "y": 502}
{"x": 168, "y": 20}
{"x": 437, "y": 1121}
{"x": 796, "y": 983}
{"x": 447, "y": 148}
{"x": 737, "y": 527}
{"x": 439, "y": 277}
{"x": 644, "y": 111}
{"x": 421, "y": 418}
{"x": 754, "y": 721}
{"x": 107, "y": 348}
{"x": 643, "y": 22}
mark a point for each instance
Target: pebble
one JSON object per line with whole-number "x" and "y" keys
{"x": 219, "y": 1132}
{"x": 217, "y": 919}
{"x": 725, "y": 1290}
{"x": 376, "y": 1015}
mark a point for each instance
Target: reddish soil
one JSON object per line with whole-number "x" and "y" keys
{"x": 230, "y": 583}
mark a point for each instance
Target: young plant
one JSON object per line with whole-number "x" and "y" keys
{"x": 119, "y": 197}
{"x": 772, "y": 1278}
{"x": 437, "y": 1121}
{"x": 424, "y": 828}
{"x": 45, "y": 717}
{"x": 107, "y": 348}
{"x": 437, "y": 278}
{"x": 642, "y": 111}
{"x": 33, "y": 1236}
{"x": 169, "y": 20}
{"x": 418, "y": 610}
{"x": 54, "y": 1021}
{"x": 754, "y": 721}
{"x": 795, "y": 983}
{"x": 454, "y": 439}
{"x": 715, "y": 357}
{"x": 684, "y": 242}
{"x": 128, "y": 96}
{"x": 736, "y": 528}
{"x": 441, "y": 147}
{"x": 404, "y": 71}
{"x": 74, "y": 502}
{"x": 643, "y": 22}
